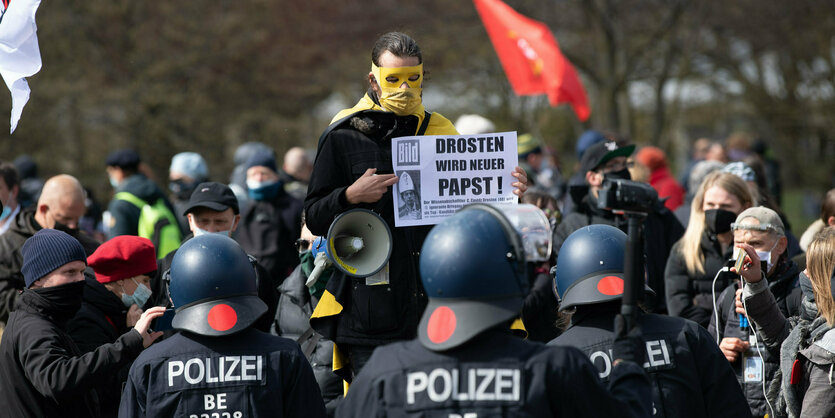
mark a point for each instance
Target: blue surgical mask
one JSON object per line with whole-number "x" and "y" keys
{"x": 198, "y": 232}
{"x": 113, "y": 182}
{"x": 139, "y": 296}
{"x": 263, "y": 190}
{"x": 6, "y": 212}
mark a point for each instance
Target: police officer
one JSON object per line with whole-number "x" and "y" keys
{"x": 219, "y": 365}
{"x": 465, "y": 363}
{"x": 690, "y": 376}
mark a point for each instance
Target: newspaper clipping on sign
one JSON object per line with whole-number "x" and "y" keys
{"x": 440, "y": 174}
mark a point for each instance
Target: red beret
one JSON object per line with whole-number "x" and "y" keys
{"x": 123, "y": 257}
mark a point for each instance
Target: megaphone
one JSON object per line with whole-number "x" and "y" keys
{"x": 358, "y": 243}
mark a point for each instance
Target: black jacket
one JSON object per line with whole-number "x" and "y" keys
{"x": 44, "y": 374}
{"x": 539, "y": 311}
{"x": 266, "y": 289}
{"x": 661, "y": 230}
{"x": 493, "y": 375}
{"x": 254, "y": 373}
{"x": 268, "y": 229}
{"x": 783, "y": 285}
{"x": 101, "y": 320}
{"x": 11, "y": 260}
{"x": 379, "y": 314}
{"x": 124, "y": 215}
{"x": 691, "y": 297}
{"x": 689, "y": 374}
{"x": 295, "y": 305}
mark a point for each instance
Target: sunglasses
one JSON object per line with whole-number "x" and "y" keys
{"x": 302, "y": 244}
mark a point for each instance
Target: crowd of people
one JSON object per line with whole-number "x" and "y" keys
{"x": 196, "y": 301}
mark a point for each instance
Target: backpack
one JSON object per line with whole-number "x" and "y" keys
{"x": 156, "y": 222}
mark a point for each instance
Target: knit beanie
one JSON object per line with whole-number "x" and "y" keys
{"x": 123, "y": 257}
{"x": 48, "y": 250}
{"x": 262, "y": 159}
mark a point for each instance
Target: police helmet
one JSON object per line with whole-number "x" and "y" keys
{"x": 590, "y": 266}
{"x": 213, "y": 285}
{"x": 472, "y": 266}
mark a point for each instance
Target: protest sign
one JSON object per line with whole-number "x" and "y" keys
{"x": 440, "y": 174}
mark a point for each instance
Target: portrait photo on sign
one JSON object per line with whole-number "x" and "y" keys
{"x": 408, "y": 195}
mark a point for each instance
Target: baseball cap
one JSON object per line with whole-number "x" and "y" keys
{"x": 601, "y": 152}
{"x": 767, "y": 218}
{"x": 212, "y": 195}
{"x": 123, "y": 257}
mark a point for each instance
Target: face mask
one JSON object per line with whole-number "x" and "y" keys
{"x": 64, "y": 299}
{"x": 618, "y": 175}
{"x": 5, "y": 214}
{"x": 65, "y": 228}
{"x": 139, "y": 296}
{"x": 765, "y": 256}
{"x": 262, "y": 190}
{"x": 198, "y": 232}
{"x": 181, "y": 189}
{"x": 113, "y": 182}
{"x": 400, "y": 101}
{"x": 718, "y": 221}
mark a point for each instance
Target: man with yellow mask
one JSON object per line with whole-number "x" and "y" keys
{"x": 353, "y": 169}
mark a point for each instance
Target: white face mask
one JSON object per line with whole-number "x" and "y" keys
{"x": 766, "y": 256}
{"x": 198, "y": 232}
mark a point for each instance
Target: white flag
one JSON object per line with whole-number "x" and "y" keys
{"x": 20, "y": 56}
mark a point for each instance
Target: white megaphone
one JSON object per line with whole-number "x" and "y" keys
{"x": 358, "y": 243}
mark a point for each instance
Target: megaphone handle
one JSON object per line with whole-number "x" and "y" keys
{"x": 321, "y": 262}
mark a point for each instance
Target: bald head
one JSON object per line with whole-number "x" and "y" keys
{"x": 297, "y": 164}
{"x": 61, "y": 201}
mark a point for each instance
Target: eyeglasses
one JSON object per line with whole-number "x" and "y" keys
{"x": 302, "y": 244}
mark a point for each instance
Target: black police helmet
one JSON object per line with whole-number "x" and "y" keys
{"x": 214, "y": 287}
{"x": 472, "y": 266}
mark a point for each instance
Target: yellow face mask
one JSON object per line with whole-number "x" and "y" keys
{"x": 401, "y": 101}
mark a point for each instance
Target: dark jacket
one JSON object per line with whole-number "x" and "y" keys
{"x": 493, "y": 375}
{"x": 691, "y": 297}
{"x": 263, "y": 376}
{"x": 268, "y": 229}
{"x": 379, "y": 314}
{"x": 295, "y": 305}
{"x": 124, "y": 215}
{"x": 44, "y": 374}
{"x": 661, "y": 230}
{"x": 539, "y": 311}
{"x": 101, "y": 320}
{"x": 11, "y": 260}
{"x": 689, "y": 374}
{"x": 782, "y": 284}
{"x": 266, "y": 289}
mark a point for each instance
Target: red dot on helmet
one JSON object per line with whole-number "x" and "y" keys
{"x": 610, "y": 286}
{"x": 441, "y": 325}
{"x": 222, "y": 317}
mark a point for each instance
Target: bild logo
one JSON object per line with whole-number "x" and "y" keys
{"x": 408, "y": 152}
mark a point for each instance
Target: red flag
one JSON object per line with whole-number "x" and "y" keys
{"x": 531, "y": 57}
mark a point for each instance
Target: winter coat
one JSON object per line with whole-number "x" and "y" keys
{"x": 124, "y": 215}
{"x": 295, "y": 305}
{"x": 661, "y": 230}
{"x": 691, "y": 296}
{"x": 42, "y": 371}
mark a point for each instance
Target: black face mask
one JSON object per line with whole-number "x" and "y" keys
{"x": 64, "y": 300}
{"x": 73, "y": 232}
{"x": 181, "y": 189}
{"x": 718, "y": 221}
{"x": 618, "y": 175}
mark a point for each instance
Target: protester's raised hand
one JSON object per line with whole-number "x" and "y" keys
{"x": 134, "y": 313}
{"x": 143, "y": 326}
{"x": 520, "y": 186}
{"x": 370, "y": 187}
{"x": 751, "y": 270}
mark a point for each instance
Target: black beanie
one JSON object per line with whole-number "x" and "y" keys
{"x": 262, "y": 159}
{"x": 47, "y": 250}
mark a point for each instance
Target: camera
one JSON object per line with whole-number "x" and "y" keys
{"x": 627, "y": 196}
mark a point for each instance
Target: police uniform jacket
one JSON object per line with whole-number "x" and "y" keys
{"x": 357, "y": 313}
{"x": 251, "y": 374}
{"x": 690, "y": 296}
{"x": 44, "y": 374}
{"x": 661, "y": 231}
{"x": 493, "y": 375}
{"x": 690, "y": 376}
{"x": 783, "y": 285}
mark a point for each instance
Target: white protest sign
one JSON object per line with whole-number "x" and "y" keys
{"x": 440, "y": 174}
